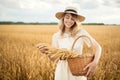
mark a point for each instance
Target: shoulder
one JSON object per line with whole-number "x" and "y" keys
{"x": 56, "y": 35}
{"x": 82, "y": 31}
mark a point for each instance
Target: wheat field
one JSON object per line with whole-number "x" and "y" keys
{"x": 21, "y": 60}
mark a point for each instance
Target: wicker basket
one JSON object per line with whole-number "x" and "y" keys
{"x": 77, "y": 64}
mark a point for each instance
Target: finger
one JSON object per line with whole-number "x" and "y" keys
{"x": 89, "y": 75}
{"x": 43, "y": 50}
{"x": 46, "y": 51}
{"x": 43, "y": 47}
{"x": 38, "y": 45}
{"x": 92, "y": 73}
{"x": 88, "y": 72}
{"x": 86, "y": 67}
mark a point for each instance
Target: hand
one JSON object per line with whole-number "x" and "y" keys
{"x": 42, "y": 48}
{"x": 91, "y": 68}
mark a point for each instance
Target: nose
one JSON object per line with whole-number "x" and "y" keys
{"x": 69, "y": 19}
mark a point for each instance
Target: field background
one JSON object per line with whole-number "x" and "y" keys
{"x": 21, "y": 60}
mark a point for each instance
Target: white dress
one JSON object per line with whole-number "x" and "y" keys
{"x": 62, "y": 71}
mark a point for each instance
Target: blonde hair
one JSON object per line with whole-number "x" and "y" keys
{"x": 73, "y": 30}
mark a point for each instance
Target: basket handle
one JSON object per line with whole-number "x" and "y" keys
{"x": 81, "y": 37}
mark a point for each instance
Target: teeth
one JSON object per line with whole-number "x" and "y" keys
{"x": 68, "y": 24}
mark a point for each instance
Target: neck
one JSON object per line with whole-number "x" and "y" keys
{"x": 67, "y": 30}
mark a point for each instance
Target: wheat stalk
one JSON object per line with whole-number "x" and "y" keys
{"x": 57, "y": 53}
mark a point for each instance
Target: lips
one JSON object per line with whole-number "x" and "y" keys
{"x": 69, "y": 24}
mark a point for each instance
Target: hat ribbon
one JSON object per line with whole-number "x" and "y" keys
{"x": 70, "y": 10}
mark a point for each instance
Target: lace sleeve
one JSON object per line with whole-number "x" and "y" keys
{"x": 84, "y": 32}
{"x": 55, "y": 40}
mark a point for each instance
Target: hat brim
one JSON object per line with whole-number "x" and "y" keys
{"x": 60, "y": 15}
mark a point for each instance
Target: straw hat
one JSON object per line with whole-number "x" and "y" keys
{"x": 71, "y": 10}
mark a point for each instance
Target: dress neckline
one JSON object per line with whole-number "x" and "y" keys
{"x": 66, "y": 34}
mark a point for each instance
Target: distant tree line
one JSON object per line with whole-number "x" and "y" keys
{"x": 32, "y": 23}
{"x": 37, "y": 23}
{"x": 92, "y": 23}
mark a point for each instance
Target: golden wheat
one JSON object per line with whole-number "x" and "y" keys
{"x": 56, "y": 53}
{"x": 21, "y": 60}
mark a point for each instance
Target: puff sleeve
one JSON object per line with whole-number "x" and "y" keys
{"x": 87, "y": 41}
{"x": 55, "y": 40}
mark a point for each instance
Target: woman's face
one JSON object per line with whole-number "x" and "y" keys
{"x": 68, "y": 20}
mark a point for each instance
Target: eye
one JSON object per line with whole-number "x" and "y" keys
{"x": 67, "y": 17}
{"x": 73, "y": 19}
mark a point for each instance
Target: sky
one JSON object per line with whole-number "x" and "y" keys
{"x": 95, "y": 11}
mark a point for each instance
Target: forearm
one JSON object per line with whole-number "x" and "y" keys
{"x": 97, "y": 53}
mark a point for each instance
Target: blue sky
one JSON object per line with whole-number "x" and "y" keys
{"x": 95, "y": 11}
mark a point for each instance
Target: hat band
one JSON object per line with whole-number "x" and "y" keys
{"x": 70, "y": 10}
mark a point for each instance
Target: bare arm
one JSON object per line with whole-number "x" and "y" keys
{"x": 98, "y": 50}
{"x": 97, "y": 54}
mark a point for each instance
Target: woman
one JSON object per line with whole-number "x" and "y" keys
{"x": 69, "y": 30}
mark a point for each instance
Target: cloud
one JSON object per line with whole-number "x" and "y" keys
{"x": 87, "y": 4}
{"x": 113, "y": 3}
{"x": 34, "y": 4}
{"x": 44, "y": 10}
{"x": 10, "y": 4}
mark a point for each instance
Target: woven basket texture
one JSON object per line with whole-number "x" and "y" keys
{"x": 77, "y": 64}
